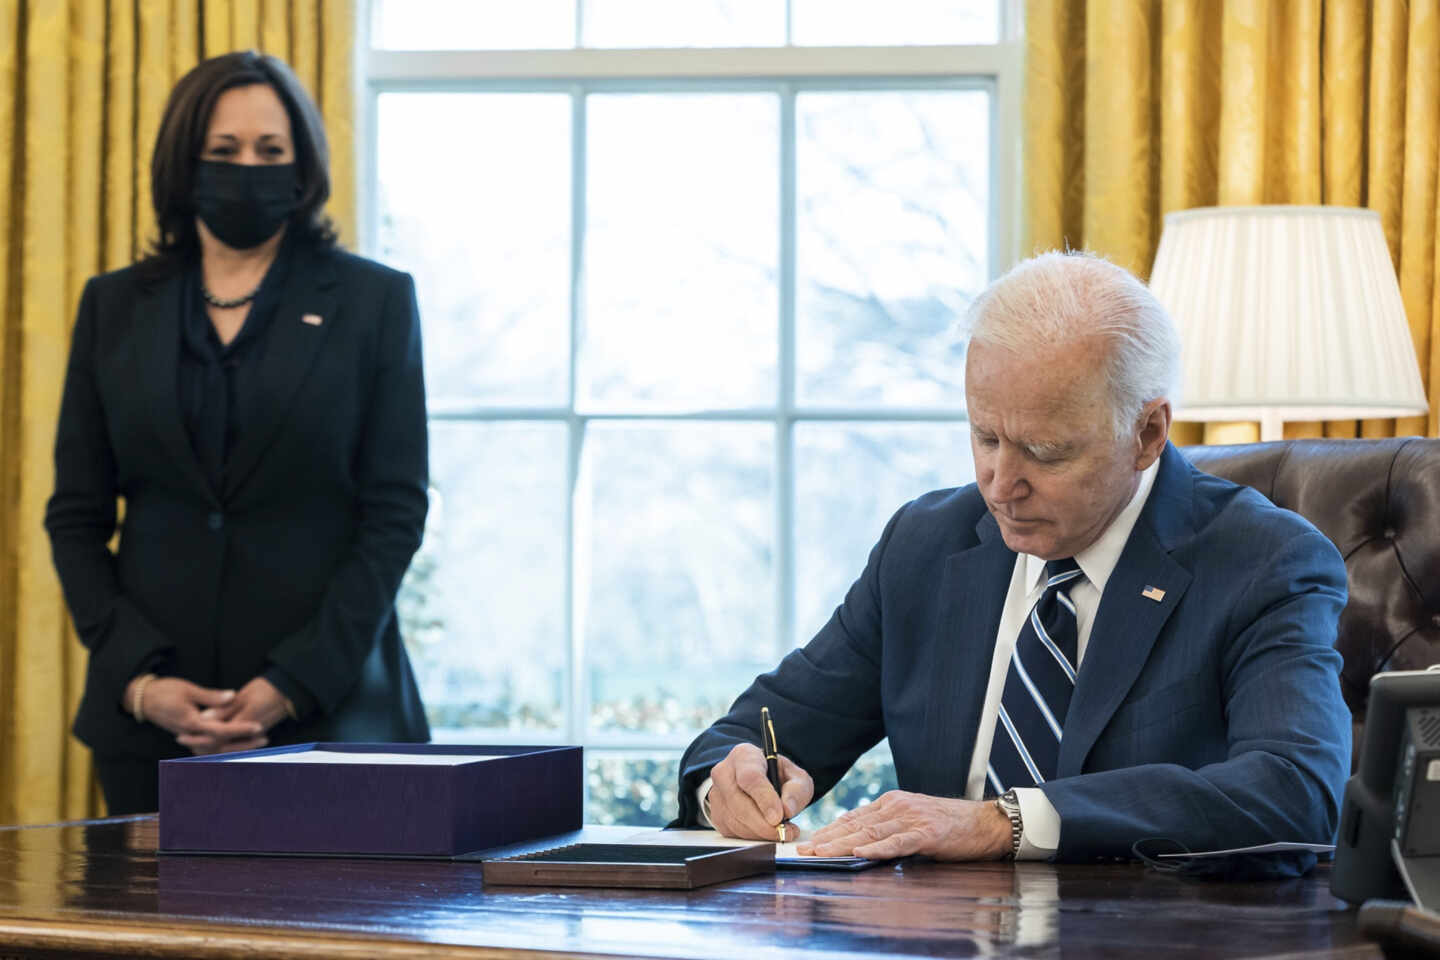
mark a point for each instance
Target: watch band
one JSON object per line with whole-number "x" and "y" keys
{"x": 1009, "y": 804}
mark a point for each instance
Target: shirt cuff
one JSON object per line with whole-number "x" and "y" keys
{"x": 702, "y": 801}
{"x": 1040, "y": 837}
{"x": 291, "y": 690}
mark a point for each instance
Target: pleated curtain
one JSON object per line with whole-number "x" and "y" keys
{"x": 1135, "y": 108}
{"x": 82, "y": 87}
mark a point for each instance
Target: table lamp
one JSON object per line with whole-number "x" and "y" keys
{"x": 1286, "y": 313}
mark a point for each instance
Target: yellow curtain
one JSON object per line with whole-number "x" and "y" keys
{"x": 1135, "y": 108}
{"x": 82, "y": 87}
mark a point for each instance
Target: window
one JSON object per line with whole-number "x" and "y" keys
{"x": 688, "y": 277}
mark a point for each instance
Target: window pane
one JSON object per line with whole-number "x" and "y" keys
{"x": 872, "y": 775}
{"x": 483, "y": 606}
{"x": 681, "y": 248}
{"x": 850, "y": 478}
{"x": 676, "y": 529}
{"x": 892, "y": 234}
{"x": 634, "y": 789}
{"x": 843, "y": 23}
{"x": 473, "y": 24}
{"x": 475, "y": 201}
{"x": 692, "y": 23}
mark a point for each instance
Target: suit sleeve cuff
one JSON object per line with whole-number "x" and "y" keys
{"x": 1041, "y": 836}
{"x": 292, "y": 690}
{"x": 131, "y": 647}
{"x": 160, "y": 663}
{"x": 702, "y": 803}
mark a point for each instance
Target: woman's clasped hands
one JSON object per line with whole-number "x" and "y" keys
{"x": 207, "y": 720}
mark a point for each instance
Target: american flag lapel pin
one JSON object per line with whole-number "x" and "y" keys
{"x": 1153, "y": 593}
{"x": 314, "y": 319}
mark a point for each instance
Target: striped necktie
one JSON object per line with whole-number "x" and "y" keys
{"x": 1038, "y": 686}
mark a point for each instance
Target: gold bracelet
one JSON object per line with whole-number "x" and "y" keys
{"x": 140, "y": 685}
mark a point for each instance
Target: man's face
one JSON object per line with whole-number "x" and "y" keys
{"x": 1048, "y": 462}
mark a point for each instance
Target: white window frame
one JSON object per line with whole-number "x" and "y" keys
{"x": 995, "y": 68}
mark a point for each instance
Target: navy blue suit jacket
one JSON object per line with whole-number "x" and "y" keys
{"x": 1212, "y": 717}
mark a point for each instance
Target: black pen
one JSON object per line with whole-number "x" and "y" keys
{"x": 772, "y": 763}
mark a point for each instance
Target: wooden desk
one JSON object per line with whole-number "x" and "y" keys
{"x": 98, "y": 887}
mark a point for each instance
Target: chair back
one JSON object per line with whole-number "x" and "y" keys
{"x": 1379, "y": 502}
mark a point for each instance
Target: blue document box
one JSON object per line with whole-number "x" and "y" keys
{"x": 369, "y": 799}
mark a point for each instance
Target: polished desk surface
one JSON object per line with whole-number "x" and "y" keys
{"x": 98, "y": 887}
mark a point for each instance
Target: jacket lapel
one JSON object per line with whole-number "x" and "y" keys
{"x": 293, "y": 346}
{"x": 974, "y": 587}
{"x": 157, "y": 312}
{"x": 1128, "y": 620}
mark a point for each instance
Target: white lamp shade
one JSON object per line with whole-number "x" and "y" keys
{"x": 1286, "y": 312}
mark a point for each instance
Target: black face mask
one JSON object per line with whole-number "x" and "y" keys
{"x": 245, "y": 205}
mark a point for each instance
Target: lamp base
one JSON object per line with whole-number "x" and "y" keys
{"x": 1272, "y": 426}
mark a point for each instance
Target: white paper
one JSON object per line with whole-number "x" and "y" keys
{"x": 1284, "y": 847}
{"x": 784, "y": 852}
{"x": 346, "y": 756}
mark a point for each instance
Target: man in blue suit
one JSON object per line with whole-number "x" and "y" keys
{"x": 1092, "y": 645}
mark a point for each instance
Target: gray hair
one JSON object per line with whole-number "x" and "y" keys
{"x": 1061, "y": 296}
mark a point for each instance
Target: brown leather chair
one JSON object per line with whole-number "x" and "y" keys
{"x": 1379, "y": 502}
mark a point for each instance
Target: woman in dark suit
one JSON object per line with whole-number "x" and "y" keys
{"x": 255, "y": 396}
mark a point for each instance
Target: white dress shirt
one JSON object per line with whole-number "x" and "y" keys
{"x": 1097, "y": 561}
{"x": 1042, "y": 824}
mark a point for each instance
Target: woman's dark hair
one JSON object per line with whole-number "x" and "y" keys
{"x": 182, "y": 138}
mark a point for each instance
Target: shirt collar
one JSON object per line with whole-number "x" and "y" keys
{"x": 1098, "y": 560}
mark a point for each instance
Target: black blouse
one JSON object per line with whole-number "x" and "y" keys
{"x": 218, "y": 382}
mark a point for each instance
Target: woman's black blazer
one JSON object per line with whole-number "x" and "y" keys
{"x": 295, "y": 562}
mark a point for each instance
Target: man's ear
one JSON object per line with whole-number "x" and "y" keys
{"x": 1152, "y": 430}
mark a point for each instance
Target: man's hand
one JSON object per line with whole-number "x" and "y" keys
{"x": 198, "y": 716}
{"x": 744, "y": 805}
{"x": 900, "y": 824}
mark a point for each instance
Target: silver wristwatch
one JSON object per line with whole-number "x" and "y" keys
{"x": 1009, "y": 804}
